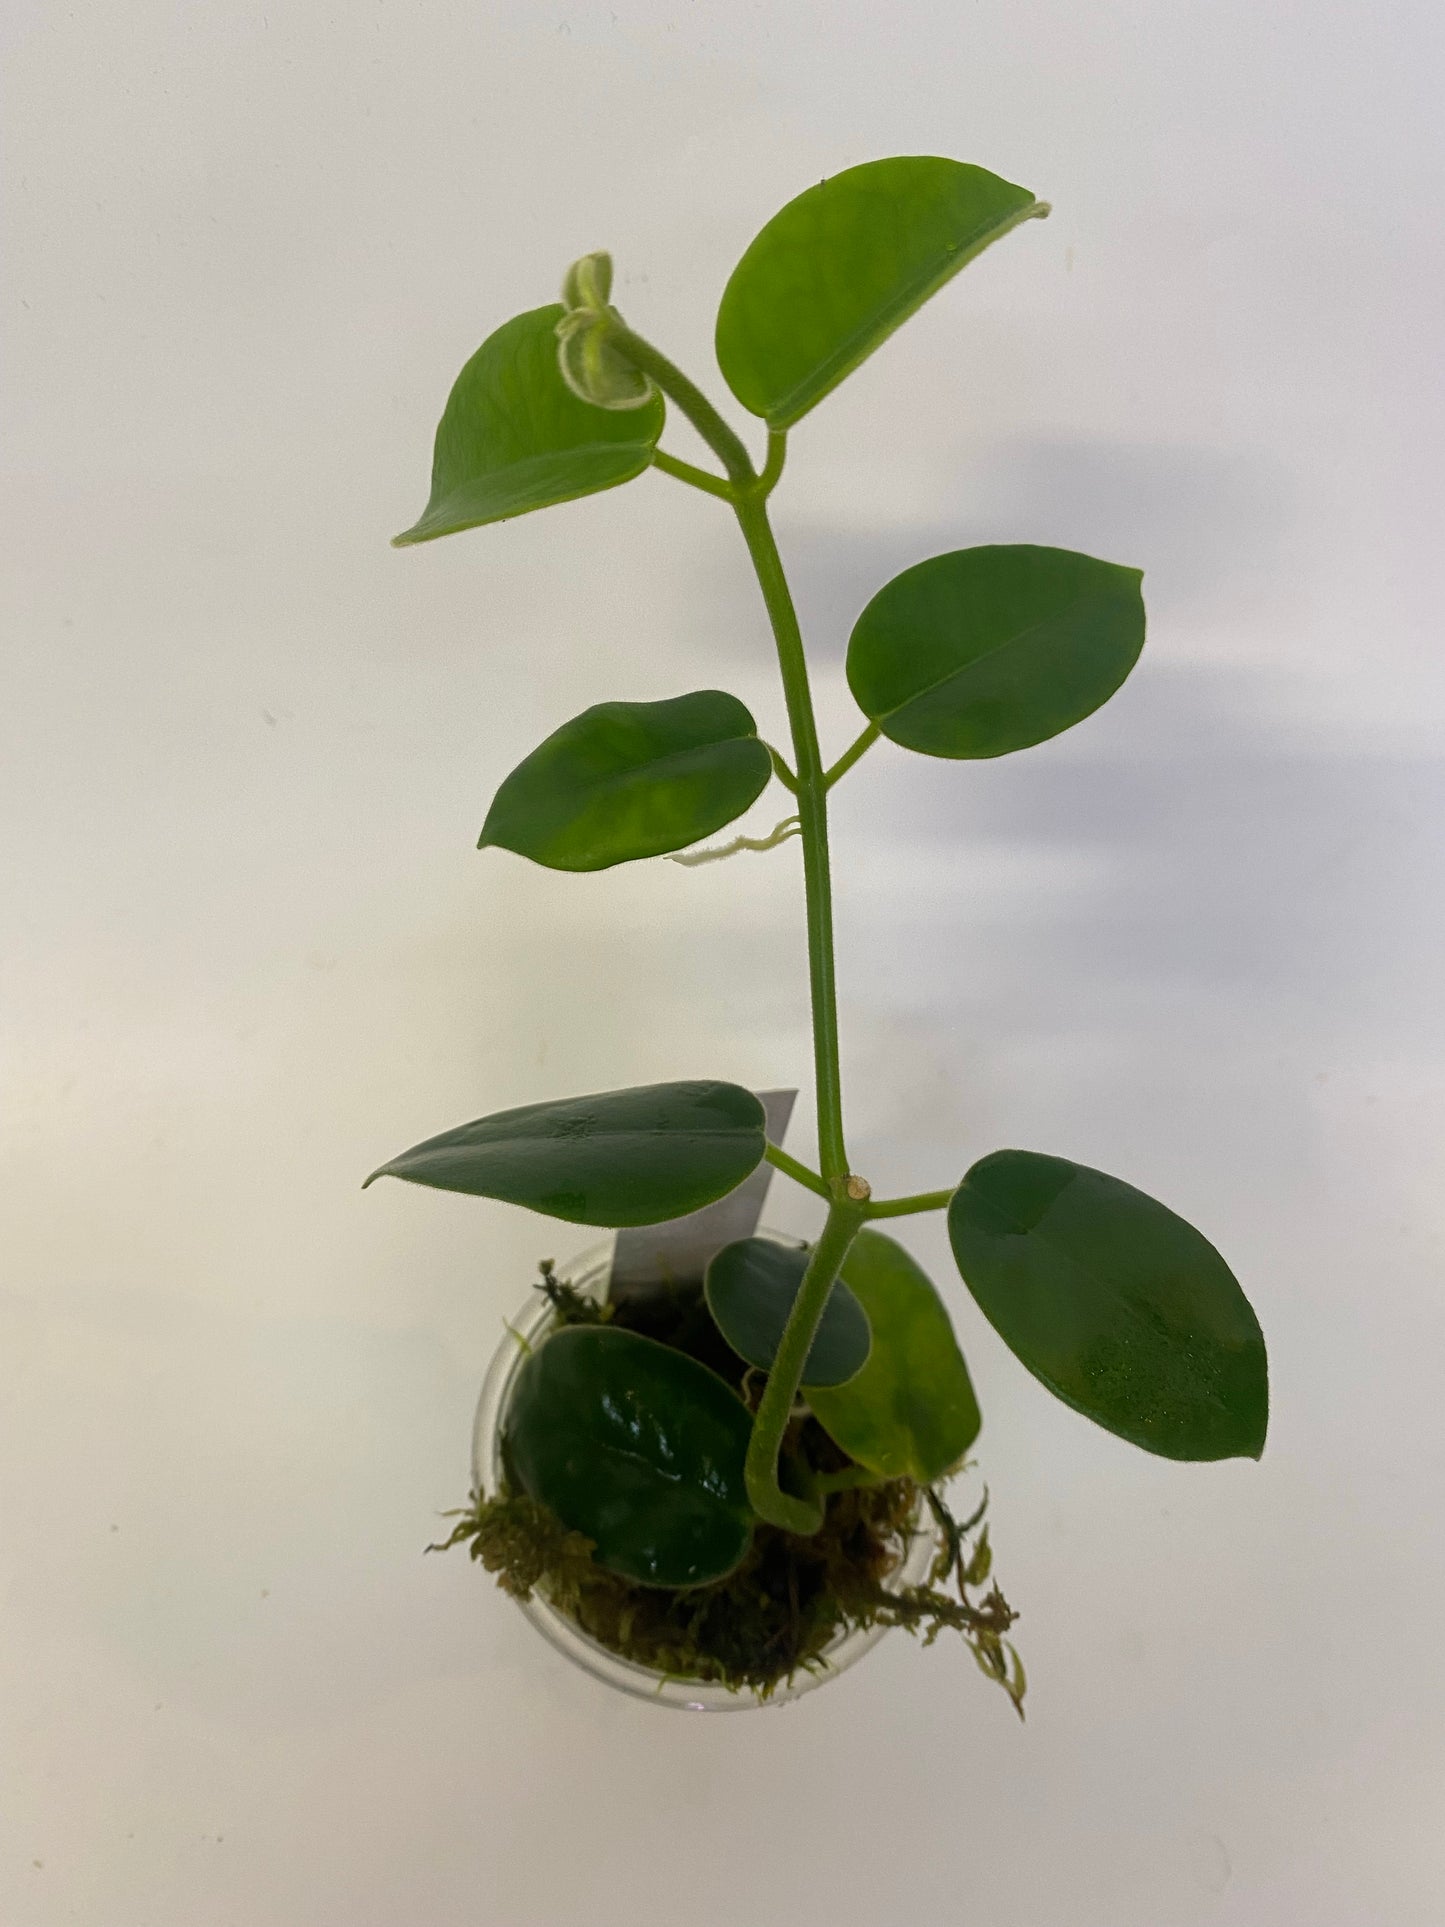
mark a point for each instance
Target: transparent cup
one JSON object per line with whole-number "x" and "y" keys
{"x": 589, "y": 1273}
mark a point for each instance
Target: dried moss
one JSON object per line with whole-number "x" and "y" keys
{"x": 776, "y": 1613}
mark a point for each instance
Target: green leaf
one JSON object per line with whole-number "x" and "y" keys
{"x": 838, "y": 269}
{"x": 910, "y": 1413}
{"x": 1122, "y": 1309}
{"x": 639, "y": 1447}
{"x": 514, "y": 437}
{"x": 638, "y": 1156}
{"x": 750, "y": 1287}
{"x": 629, "y": 780}
{"x": 983, "y": 651}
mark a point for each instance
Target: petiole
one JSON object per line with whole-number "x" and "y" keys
{"x": 800, "y": 1174}
{"x": 851, "y": 755}
{"x": 905, "y": 1207}
{"x": 694, "y": 476}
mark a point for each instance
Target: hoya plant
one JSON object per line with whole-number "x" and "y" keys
{"x": 687, "y": 1476}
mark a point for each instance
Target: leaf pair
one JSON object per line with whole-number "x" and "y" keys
{"x": 884, "y": 1375}
{"x": 1118, "y": 1305}
{"x": 967, "y": 655}
{"x": 825, "y": 283}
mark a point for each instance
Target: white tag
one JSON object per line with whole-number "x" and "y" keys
{"x": 674, "y": 1255}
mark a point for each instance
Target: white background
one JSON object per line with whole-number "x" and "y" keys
{"x": 248, "y": 949}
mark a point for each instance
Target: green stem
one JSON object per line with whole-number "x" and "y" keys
{"x": 777, "y": 455}
{"x": 695, "y": 477}
{"x": 810, "y": 780}
{"x": 799, "y": 1173}
{"x": 905, "y": 1207}
{"x": 851, "y": 755}
{"x": 768, "y": 1499}
{"x": 752, "y": 517}
{"x": 691, "y": 400}
{"x": 780, "y": 769}
{"x": 846, "y": 1211}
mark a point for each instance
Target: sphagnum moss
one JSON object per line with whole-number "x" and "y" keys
{"x": 769, "y": 1619}
{"x": 776, "y": 1613}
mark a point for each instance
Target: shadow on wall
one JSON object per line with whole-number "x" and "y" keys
{"x": 1180, "y": 904}
{"x": 1207, "y": 527}
{"x": 1201, "y": 897}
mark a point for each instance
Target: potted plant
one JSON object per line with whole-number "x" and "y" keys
{"x": 733, "y": 1481}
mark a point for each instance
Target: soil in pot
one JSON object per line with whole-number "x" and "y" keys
{"x": 791, "y": 1598}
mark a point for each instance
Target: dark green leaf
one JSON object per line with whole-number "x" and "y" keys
{"x": 1122, "y": 1309}
{"x": 629, "y": 780}
{"x": 983, "y": 651}
{"x": 514, "y": 437}
{"x": 838, "y": 269}
{"x": 910, "y": 1413}
{"x": 637, "y": 1446}
{"x": 750, "y": 1287}
{"x": 638, "y": 1156}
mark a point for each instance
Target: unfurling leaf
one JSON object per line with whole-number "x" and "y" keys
{"x": 591, "y": 367}
{"x": 588, "y": 282}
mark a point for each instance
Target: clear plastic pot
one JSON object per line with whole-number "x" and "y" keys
{"x": 589, "y": 1273}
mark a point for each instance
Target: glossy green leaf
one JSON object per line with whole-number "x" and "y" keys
{"x": 750, "y": 1288}
{"x": 910, "y": 1413}
{"x": 637, "y": 1446}
{"x": 629, "y": 780}
{"x": 1122, "y": 1309}
{"x": 983, "y": 651}
{"x": 637, "y": 1156}
{"x": 514, "y": 437}
{"x": 838, "y": 269}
